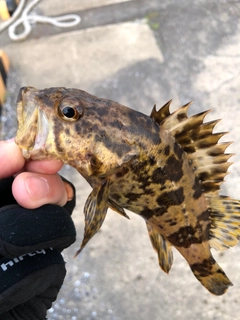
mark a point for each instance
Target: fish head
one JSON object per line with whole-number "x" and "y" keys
{"x": 72, "y": 126}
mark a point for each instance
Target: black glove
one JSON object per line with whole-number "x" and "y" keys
{"x": 32, "y": 269}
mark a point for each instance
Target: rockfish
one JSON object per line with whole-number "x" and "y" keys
{"x": 166, "y": 167}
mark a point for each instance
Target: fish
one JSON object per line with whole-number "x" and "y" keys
{"x": 165, "y": 167}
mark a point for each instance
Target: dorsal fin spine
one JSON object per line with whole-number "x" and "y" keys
{"x": 162, "y": 113}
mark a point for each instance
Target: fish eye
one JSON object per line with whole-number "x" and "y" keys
{"x": 69, "y": 113}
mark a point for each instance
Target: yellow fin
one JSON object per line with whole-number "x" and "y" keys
{"x": 162, "y": 247}
{"x": 225, "y": 221}
{"x": 95, "y": 211}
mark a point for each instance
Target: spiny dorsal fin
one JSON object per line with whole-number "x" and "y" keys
{"x": 162, "y": 113}
{"x": 225, "y": 221}
{"x": 162, "y": 247}
{"x": 197, "y": 139}
{"x": 177, "y": 121}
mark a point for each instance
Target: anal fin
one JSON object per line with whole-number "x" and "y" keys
{"x": 162, "y": 247}
{"x": 95, "y": 211}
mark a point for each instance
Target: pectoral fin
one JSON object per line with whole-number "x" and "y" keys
{"x": 95, "y": 211}
{"x": 162, "y": 247}
{"x": 114, "y": 206}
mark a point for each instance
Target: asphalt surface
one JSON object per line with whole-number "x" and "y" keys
{"x": 137, "y": 53}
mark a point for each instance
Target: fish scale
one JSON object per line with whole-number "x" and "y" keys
{"x": 166, "y": 167}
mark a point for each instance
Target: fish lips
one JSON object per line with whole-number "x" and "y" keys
{"x": 33, "y": 126}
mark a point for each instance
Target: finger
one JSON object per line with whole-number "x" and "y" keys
{"x": 32, "y": 190}
{"x": 44, "y": 166}
{"x": 11, "y": 159}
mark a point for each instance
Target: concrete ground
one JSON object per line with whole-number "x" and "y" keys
{"x": 138, "y": 53}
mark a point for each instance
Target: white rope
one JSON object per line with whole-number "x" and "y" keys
{"x": 17, "y": 12}
{"x": 27, "y": 20}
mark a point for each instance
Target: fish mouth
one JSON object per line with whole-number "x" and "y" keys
{"x": 33, "y": 124}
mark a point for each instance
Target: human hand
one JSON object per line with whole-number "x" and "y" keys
{"x": 32, "y": 269}
{"x": 38, "y": 183}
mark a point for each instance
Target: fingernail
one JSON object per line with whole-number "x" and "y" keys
{"x": 37, "y": 187}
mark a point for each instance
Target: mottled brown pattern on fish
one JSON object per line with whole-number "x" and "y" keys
{"x": 166, "y": 168}
{"x": 166, "y": 209}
